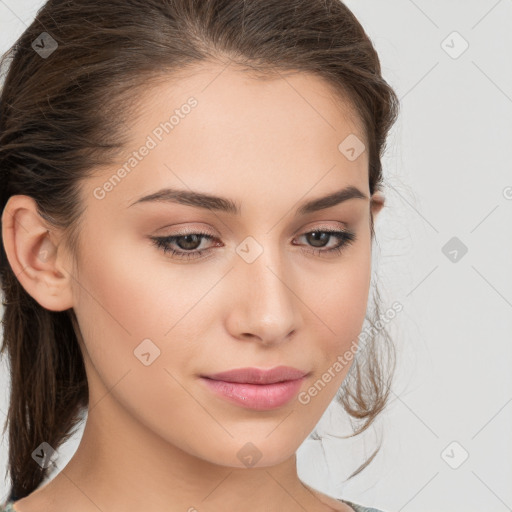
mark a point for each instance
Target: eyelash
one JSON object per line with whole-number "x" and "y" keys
{"x": 163, "y": 243}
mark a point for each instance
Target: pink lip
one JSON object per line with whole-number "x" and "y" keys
{"x": 258, "y": 376}
{"x": 257, "y": 389}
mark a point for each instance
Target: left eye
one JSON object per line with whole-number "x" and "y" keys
{"x": 188, "y": 243}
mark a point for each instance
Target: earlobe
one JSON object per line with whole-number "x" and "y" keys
{"x": 34, "y": 255}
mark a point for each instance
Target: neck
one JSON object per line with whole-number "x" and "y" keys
{"x": 125, "y": 466}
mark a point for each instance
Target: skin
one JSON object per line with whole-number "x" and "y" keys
{"x": 156, "y": 438}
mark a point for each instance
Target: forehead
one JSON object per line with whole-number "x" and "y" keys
{"x": 216, "y": 128}
{"x": 232, "y": 97}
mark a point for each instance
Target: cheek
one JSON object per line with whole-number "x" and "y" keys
{"x": 130, "y": 291}
{"x": 124, "y": 309}
{"x": 115, "y": 305}
{"x": 116, "y": 291}
{"x": 342, "y": 308}
{"x": 345, "y": 290}
{"x": 128, "y": 295}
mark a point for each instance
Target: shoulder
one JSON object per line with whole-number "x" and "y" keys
{"x": 360, "y": 508}
{"x": 338, "y": 503}
{"x": 7, "y": 506}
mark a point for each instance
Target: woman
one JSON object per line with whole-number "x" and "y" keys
{"x": 189, "y": 190}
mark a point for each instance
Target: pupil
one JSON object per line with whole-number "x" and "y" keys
{"x": 319, "y": 235}
{"x": 187, "y": 239}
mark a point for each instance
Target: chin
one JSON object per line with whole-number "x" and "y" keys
{"x": 258, "y": 453}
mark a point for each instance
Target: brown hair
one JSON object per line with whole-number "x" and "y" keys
{"x": 63, "y": 114}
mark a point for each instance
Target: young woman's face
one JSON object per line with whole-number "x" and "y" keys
{"x": 261, "y": 287}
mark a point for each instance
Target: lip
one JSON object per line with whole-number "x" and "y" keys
{"x": 257, "y": 389}
{"x": 259, "y": 376}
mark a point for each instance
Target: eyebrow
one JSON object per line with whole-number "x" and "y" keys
{"x": 222, "y": 204}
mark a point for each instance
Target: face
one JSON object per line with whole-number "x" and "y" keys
{"x": 167, "y": 292}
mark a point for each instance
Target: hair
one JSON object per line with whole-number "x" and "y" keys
{"x": 64, "y": 115}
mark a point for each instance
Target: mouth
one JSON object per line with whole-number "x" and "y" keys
{"x": 257, "y": 389}
{"x": 259, "y": 376}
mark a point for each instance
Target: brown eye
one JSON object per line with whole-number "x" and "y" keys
{"x": 187, "y": 244}
{"x": 318, "y": 238}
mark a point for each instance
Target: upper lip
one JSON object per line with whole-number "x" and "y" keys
{"x": 259, "y": 376}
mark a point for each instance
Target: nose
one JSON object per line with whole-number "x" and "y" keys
{"x": 263, "y": 305}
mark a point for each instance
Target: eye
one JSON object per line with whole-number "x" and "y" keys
{"x": 317, "y": 237}
{"x": 189, "y": 243}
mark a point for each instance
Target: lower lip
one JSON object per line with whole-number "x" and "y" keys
{"x": 261, "y": 397}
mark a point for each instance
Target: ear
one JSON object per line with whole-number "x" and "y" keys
{"x": 35, "y": 256}
{"x": 377, "y": 202}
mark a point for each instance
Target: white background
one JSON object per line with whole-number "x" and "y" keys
{"x": 447, "y": 170}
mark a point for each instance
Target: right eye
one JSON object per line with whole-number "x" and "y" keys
{"x": 187, "y": 252}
